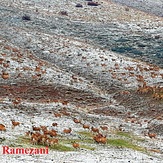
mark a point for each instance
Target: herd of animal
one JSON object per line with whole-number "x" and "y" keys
{"x": 43, "y": 135}
{"x": 49, "y": 136}
{"x": 156, "y": 91}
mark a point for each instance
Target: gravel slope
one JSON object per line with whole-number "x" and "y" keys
{"x": 59, "y": 62}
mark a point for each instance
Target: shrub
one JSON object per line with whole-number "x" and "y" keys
{"x": 79, "y": 5}
{"x": 26, "y": 17}
{"x": 93, "y": 4}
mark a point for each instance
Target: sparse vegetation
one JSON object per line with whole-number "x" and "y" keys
{"x": 58, "y": 71}
{"x": 124, "y": 144}
{"x": 63, "y": 145}
{"x": 26, "y": 17}
{"x": 85, "y": 133}
{"x": 125, "y": 134}
{"x": 2, "y": 139}
{"x": 129, "y": 135}
{"x": 25, "y": 142}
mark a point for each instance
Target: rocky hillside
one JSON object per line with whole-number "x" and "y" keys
{"x": 70, "y": 67}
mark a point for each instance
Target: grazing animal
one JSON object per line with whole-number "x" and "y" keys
{"x": 5, "y": 75}
{"x": 152, "y": 135}
{"x": 85, "y": 126}
{"x": 76, "y": 145}
{"x": 54, "y": 124}
{"x": 2, "y": 127}
{"x": 77, "y": 120}
{"x": 67, "y": 131}
{"x": 28, "y": 133}
{"x": 17, "y": 101}
{"x": 104, "y": 127}
{"x": 35, "y": 138}
{"x": 95, "y": 129}
{"x": 99, "y": 138}
{"x": 52, "y": 133}
{"x": 43, "y": 128}
{"x": 57, "y": 115}
{"x": 43, "y": 139}
{"x": 51, "y": 142}
{"x": 14, "y": 124}
{"x": 36, "y": 128}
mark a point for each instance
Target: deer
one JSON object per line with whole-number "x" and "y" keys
{"x": 35, "y": 138}
{"x": 99, "y": 138}
{"x": 52, "y": 133}
{"x": 67, "y": 131}
{"x": 54, "y": 124}
{"x": 94, "y": 129}
{"x": 152, "y": 135}
{"x": 14, "y": 124}
{"x": 2, "y": 127}
{"x": 57, "y": 115}
{"x": 86, "y": 126}
{"x": 17, "y": 101}
{"x": 76, "y": 145}
{"x": 77, "y": 120}
{"x": 51, "y": 142}
{"x": 36, "y": 128}
{"x": 43, "y": 128}
{"x": 104, "y": 128}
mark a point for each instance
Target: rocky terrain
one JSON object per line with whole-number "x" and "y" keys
{"x": 67, "y": 60}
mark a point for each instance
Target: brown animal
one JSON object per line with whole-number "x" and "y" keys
{"x": 57, "y": 115}
{"x": 17, "y": 101}
{"x": 14, "y": 124}
{"x": 52, "y": 133}
{"x": 35, "y": 138}
{"x": 99, "y": 138}
{"x": 104, "y": 128}
{"x": 43, "y": 128}
{"x": 5, "y": 75}
{"x": 54, "y": 124}
{"x": 76, "y": 145}
{"x": 86, "y": 126}
{"x": 77, "y": 120}
{"x": 152, "y": 135}
{"x": 95, "y": 129}
{"x": 43, "y": 139}
{"x": 51, "y": 142}
{"x": 28, "y": 133}
{"x": 36, "y": 128}
{"x": 2, "y": 127}
{"x": 67, "y": 131}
